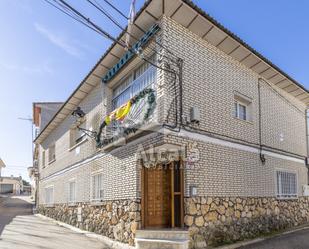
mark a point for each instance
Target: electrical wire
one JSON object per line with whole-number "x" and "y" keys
{"x": 70, "y": 15}
{"x": 78, "y": 16}
{"x": 105, "y": 13}
{"x": 141, "y": 29}
{"x": 116, "y": 9}
{"x": 98, "y": 29}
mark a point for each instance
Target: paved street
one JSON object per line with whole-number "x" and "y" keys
{"x": 19, "y": 229}
{"x": 294, "y": 240}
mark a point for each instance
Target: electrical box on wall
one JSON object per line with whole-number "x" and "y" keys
{"x": 195, "y": 115}
{"x": 306, "y": 190}
{"x": 193, "y": 191}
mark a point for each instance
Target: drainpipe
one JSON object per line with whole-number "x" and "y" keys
{"x": 262, "y": 157}
{"x": 180, "y": 63}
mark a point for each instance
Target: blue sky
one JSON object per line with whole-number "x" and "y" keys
{"x": 44, "y": 55}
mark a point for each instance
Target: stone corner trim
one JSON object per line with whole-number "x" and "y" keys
{"x": 216, "y": 220}
{"x": 117, "y": 220}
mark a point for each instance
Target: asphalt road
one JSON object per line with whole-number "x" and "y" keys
{"x": 20, "y": 229}
{"x": 294, "y": 240}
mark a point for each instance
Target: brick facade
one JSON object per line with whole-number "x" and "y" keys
{"x": 229, "y": 164}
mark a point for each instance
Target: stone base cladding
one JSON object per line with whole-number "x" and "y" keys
{"x": 117, "y": 220}
{"x": 213, "y": 221}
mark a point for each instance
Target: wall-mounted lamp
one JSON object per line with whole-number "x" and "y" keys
{"x": 78, "y": 113}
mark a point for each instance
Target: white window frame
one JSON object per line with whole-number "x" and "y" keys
{"x": 93, "y": 196}
{"x": 279, "y": 187}
{"x": 51, "y": 157}
{"x": 50, "y": 200}
{"x": 238, "y": 104}
{"x": 72, "y": 201}
{"x": 246, "y": 102}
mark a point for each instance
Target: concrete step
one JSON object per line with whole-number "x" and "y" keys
{"x": 162, "y": 234}
{"x": 161, "y": 244}
{"x": 162, "y": 239}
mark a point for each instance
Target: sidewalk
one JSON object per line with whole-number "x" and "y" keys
{"x": 22, "y": 230}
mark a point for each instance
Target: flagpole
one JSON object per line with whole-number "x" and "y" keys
{"x": 131, "y": 18}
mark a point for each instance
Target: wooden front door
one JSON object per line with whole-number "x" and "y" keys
{"x": 162, "y": 196}
{"x": 157, "y": 197}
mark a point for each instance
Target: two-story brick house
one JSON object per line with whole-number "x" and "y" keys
{"x": 197, "y": 132}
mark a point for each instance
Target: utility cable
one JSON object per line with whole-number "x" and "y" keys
{"x": 116, "y": 9}
{"x": 99, "y": 30}
{"x": 105, "y": 13}
{"x": 70, "y": 15}
{"x": 141, "y": 29}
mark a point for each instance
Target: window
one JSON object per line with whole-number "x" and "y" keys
{"x": 242, "y": 107}
{"x": 142, "y": 77}
{"x": 77, "y": 135}
{"x": 97, "y": 187}
{"x": 49, "y": 195}
{"x": 52, "y": 153}
{"x": 72, "y": 191}
{"x": 240, "y": 111}
{"x": 286, "y": 184}
{"x": 43, "y": 158}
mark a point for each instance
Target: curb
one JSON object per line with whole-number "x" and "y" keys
{"x": 109, "y": 242}
{"x": 240, "y": 244}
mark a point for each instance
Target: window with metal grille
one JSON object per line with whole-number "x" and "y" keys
{"x": 141, "y": 78}
{"x": 72, "y": 191}
{"x": 97, "y": 187}
{"x": 286, "y": 184}
{"x": 49, "y": 195}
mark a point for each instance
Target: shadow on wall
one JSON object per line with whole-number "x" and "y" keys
{"x": 10, "y": 208}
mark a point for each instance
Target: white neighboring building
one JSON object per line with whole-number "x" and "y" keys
{"x": 11, "y": 185}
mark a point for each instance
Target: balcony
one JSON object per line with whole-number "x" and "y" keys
{"x": 133, "y": 106}
{"x": 145, "y": 80}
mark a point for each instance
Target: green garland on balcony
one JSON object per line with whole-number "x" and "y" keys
{"x": 151, "y": 101}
